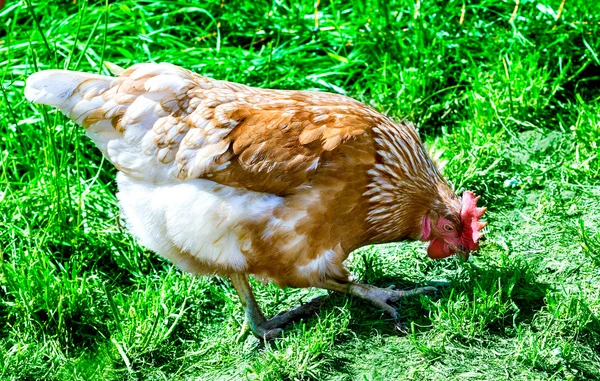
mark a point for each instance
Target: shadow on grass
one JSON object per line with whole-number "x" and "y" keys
{"x": 482, "y": 298}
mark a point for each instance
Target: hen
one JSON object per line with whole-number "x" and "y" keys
{"x": 222, "y": 178}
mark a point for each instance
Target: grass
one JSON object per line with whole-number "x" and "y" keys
{"x": 507, "y": 98}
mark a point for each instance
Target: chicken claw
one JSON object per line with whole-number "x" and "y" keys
{"x": 379, "y": 297}
{"x": 256, "y": 322}
{"x": 268, "y": 329}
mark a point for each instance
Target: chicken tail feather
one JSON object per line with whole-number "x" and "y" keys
{"x": 63, "y": 89}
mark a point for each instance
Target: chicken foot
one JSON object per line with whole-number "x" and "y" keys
{"x": 267, "y": 329}
{"x": 255, "y": 321}
{"x": 380, "y": 297}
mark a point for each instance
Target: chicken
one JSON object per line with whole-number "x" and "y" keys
{"x": 226, "y": 179}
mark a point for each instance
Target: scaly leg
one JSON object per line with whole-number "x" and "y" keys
{"x": 255, "y": 320}
{"x": 380, "y": 297}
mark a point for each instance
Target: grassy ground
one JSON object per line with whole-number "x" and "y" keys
{"x": 508, "y": 97}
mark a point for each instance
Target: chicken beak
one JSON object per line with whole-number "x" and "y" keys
{"x": 461, "y": 252}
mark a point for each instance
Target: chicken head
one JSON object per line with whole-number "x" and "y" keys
{"x": 447, "y": 237}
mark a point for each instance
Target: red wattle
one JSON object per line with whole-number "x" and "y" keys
{"x": 438, "y": 249}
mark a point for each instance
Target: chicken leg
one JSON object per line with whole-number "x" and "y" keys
{"x": 268, "y": 329}
{"x": 256, "y": 322}
{"x": 380, "y": 297}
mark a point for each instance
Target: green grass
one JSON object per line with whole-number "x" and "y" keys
{"x": 510, "y": 104}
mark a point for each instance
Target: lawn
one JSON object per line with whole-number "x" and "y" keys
{"x": 507, "y": 97}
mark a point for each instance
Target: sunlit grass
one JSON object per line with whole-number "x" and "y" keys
{"x": 508, "y": 102}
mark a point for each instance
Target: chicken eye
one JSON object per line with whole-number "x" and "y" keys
{"x": 449, "y": 228}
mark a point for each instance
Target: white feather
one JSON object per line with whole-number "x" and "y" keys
{"x": 55, "y": 87}
{"x": 197, "y": 218}
{"x": 321, "y": 266}
{"x": 166, "y": 82}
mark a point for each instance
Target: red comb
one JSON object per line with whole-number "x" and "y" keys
{"x": 470, "y": 215}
